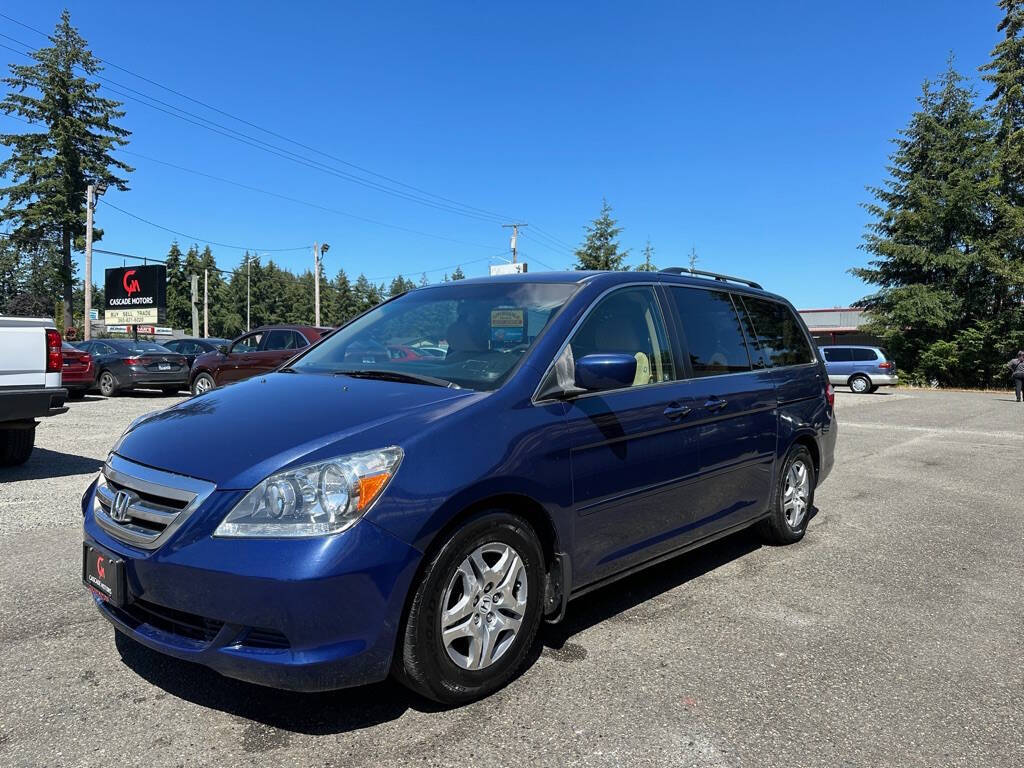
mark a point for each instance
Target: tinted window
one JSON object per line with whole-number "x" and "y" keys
{"x": 714, "y": 338}
{"x": 300, "y": 340}
{"x": 837, "y": 354}
{"x": 860, "y": 355}
{"x": 779, "y": 334}
{"x": 628, "y": 321}
{"x": 247, "y": 343}
{"x": 104, "y": 349}
{"x": 281, "y": 340}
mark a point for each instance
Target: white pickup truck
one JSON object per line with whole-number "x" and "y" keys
{"x": 30, "y": 387}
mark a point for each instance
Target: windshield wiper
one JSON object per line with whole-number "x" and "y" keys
{"x": 409, "y": 378}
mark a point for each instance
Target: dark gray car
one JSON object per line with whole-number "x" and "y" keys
{"x": 192, "y": 348}
{"x": 123, "y": 364}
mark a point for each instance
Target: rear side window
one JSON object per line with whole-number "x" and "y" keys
{"x": 862, "y": 355}
{"x": 837, "y": 354}
{"x": 779, "y": 334}
{"x": 714, "y": 338}
{"x": 281, "y": 340}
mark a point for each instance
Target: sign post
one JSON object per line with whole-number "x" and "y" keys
{"x": 135, "y": 295}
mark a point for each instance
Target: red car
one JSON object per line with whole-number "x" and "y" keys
{"x": 259, "y": 351}
{"x": 78, "y": 375}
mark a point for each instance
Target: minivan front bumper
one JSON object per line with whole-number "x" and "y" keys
{"x": 305, "y": 614}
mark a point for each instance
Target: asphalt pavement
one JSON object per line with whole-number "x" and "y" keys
{"x": 892, "y": 635}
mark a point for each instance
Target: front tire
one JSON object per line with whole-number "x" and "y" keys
{"x": 473, "y": 619}
{"x": 16, "y": 446}
{"x": 107, "y": 384}
{"x": 793, "y": 499}
{"x": 860, "y": 384}
{"x": 204, "y": 383}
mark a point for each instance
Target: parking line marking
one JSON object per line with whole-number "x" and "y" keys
{"x": 937, "y": 430}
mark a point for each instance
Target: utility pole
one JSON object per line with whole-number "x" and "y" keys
{"x": 248, "y": 292}
{"x": 195, "y": 309}
{"x": 206, "y": 304}
{"x": 92, "y": 194}
{"x": 317, "y": 251}
{"x": 514, "y": 242}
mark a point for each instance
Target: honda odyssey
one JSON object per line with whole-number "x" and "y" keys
{"x": 345, "y": 517}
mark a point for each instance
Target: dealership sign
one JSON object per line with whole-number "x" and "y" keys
{"x": 135, "y": 295}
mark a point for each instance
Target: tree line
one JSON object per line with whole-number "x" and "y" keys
{"x": 947, "y": 230}
{"x": 271, "y": 293}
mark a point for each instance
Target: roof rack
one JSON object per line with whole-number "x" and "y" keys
{"x": 713, "y": 275}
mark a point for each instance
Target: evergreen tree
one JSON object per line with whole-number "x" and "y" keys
{"x": 648, "y": 254}
{"x": 600, "y": 249}
{"x": 49, "y": 171}
{"x": 1006, "y": 74}
{"x": 399, "y": 286}
{"x": 178, "y": 312}
{"x": 423, "y": 280}
{"x": 346, "y": 306}
{"x": 458, "y": 274}
{"x": 939, "y": 277}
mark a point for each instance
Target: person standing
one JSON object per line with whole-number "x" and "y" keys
{"x": 1016, "y": 366}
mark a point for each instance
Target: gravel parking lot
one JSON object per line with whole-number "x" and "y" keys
{"x": 892, "y": 635}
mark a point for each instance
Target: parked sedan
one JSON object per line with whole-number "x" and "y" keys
{"x": 78, "y": 375}
{"x": 193, "y": 348}
{"x": 123, "y": 364}
{"x": 259, "y": 351}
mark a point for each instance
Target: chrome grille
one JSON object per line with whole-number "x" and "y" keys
{"x": 143, "y": 506}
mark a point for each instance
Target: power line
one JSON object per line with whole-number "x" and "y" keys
{"x": 280, "y": 196}
{"x": 449, "y": 206}
{"x": 201, "y": 239}
{"x": 299, "y": 201}
{"x": 263, "y": 129}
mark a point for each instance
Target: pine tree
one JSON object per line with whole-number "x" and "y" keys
{"x": 458, "y": 274}
{"x": 178, "y": 311}
{"x": 648, "y": 254}
{"x": 1006, "y": 74}
{"x": 50, "y": 170}
{"x": 932, "y": 242}
{"x": 600, "y": 249}
{"x": 346, "y": 306}
{"x": 423, "y": 280}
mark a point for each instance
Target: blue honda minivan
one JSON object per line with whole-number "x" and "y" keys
{"x": 351, "y": 516}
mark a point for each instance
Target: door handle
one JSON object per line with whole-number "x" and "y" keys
{"x": 676, "y": 411}
{"x": 716, "y": 404}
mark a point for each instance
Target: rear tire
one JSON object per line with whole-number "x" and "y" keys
{"x": 16, "y": 446}
{"x": 204, "y": 383}
{"x": 793, "y": 489}
{"x": 860, "y": 384}
{"x": 475, "y": 614}
{"x": 107, "y": 384}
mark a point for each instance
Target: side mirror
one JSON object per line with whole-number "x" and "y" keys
{"x": 222, "y": 348}
{"x": 596, "y": 373}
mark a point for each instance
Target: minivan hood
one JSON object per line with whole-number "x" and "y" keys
{"x": 236, "y": 436}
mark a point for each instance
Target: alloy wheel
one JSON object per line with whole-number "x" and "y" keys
{"x": 796, "y": 494}
{"x": 484, "y": 606}
{"x": 203, "y": 384}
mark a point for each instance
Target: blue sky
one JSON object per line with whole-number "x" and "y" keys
{"x": 747, "y": 130}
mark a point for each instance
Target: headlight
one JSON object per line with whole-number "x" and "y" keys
{"x": 313, "y": 500}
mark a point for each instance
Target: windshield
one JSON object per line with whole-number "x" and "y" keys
{"x": 467, "y": 335}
